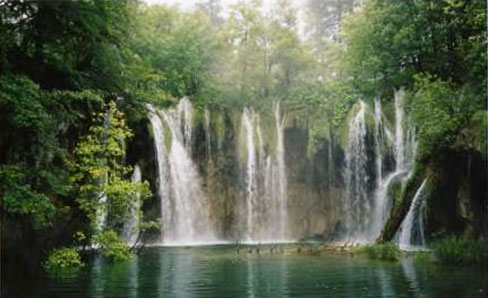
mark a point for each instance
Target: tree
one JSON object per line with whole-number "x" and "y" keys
{"x": 265, "y": 56}
{"x": 388, "y": 42}
{"x": 98, "y": 171}
{"x": 181, "y": 48}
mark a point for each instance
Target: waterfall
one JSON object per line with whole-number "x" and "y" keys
{"x": 378, "y": 123}
{"x": 184, "y": 207}
{"x": 265, "y": 180}
{"x": 101, "y": 213}
{"x": 381, "y": 185}
{"x": 261, "y": 153}
{"x": 404, "y": 150}
{"x": 281, "y": 179}
{"x": 357, "y": 204}
{"x": 411, "y": 232}
{"x": 131, "y": 228}
{"x": 162, "y": 166}
{"x": 382, "y": 205}
{"x": 410, "y": 148}
{"x": 251, "y": 184}
{"x": 399, "y": 137}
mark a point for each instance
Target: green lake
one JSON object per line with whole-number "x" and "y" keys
{"x": 219, "y": 271}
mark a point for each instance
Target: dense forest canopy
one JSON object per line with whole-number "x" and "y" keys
{"x": 75, "y": 78}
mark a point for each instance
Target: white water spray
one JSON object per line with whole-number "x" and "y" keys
{"x": 399, "y": 136}
{"x": 185, "y": 208}
{"x": 357, "y": 204}
{"x": 410, "y": 235}
{"x": 281, "y": 179}
{"x": 265, "y": 180}
{"x": 251, "y": 183}
{"x": 131, "y": 227}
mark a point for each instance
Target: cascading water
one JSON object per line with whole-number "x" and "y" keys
{"x": 263, "y": 213}
{"x": 382, "y": 206}
{"x": 185, "y": 208}
{"x": 399, "y": 136}
{"x": 381, "y": 187}
{"x": 404, "y": 151}
{"x": 358, "y": 205}
{"x": 281, "y": 179}
{"x": 131, "y": 228}
{"x": 162, "y": 165}
{"x": 410, "y": 235}
{"x": 378, "y": 124}
{"x": 410, "y": 148}
{"x": 101, "y": 214}
{"x": 265, "y": 181}
{"x": 251, "y": 181}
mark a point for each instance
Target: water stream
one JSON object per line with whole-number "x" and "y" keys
{"x": 357, "y": 203}
{"x": 131, "y": 227}
{"x": 265, "y": 180}
{"x": 404, "y": 150}
{"x": 185, "y": 208}
{"x": 410, "y": 235}
{"x": 261, "y": 210}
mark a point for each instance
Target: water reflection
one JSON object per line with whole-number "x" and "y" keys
{"x": 180, "y": 275}
{"x": 411, "y": 276}
{"x": 386, "y": 283}
{"x": 95, "y": 284}
{"x": 221, "y": 272}
{"x": 133, "y": 282}
{"x": 250, "y": 279}
{"x": 266, "y": 279}
{"x": 108, "y": 279}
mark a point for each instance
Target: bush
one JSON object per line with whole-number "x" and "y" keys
{"x": 112, "y": 245}
{"x": 423, "y": 257}
{"x": 459, "y": 251}
{"x": 63, "y": 258}
{"x": 386, "y": 252}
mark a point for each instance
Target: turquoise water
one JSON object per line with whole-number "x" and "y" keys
{"x": 221, "y": 272}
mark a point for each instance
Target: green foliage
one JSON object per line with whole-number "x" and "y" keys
{"x": 98, "y": 169}
{"x": 35, "y": 173}
{"x": 441, "y": 112}
{"x": 63, "y": 258}
{"x": 461, "y": 251}
{"x": 180, "y": 49}
{"x": 387, "y": 42}
{"x": 73, "y": 45}
{"x": 428, "y": 48}
{"x": 476, "y": 131}
{"x": 20, "y": 198}
{"x": 112, "y": 245}
{"x": 395, "y": 191}
{"x": 150, "y": 225}
{"x": 264, "y": 57}
{"x": 387, "y": 252}
{"x": 21, "y": 97}
{"x": 423, "y": 257}
{"x": 79, "y": 236}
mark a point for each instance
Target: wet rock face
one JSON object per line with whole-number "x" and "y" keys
{"x": 458, "y": 198}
